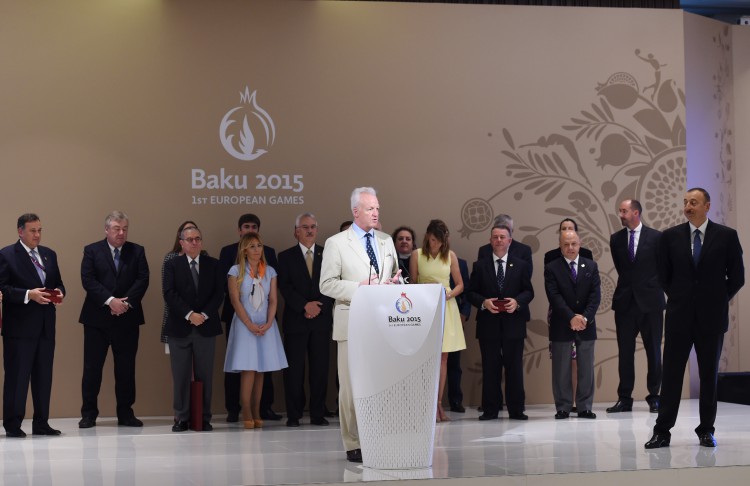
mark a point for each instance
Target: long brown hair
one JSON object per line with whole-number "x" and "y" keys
{"x": 439, "y": 230}
{"x": 242, "y": 257}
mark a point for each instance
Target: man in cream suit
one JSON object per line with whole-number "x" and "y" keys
{"x": 357, "y": 256}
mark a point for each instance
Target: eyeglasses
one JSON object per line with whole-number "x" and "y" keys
{"x": 308, "y": 228}
{"x": 193, "y": 240}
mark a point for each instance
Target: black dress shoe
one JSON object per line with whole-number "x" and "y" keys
{"x": 354, "y": 455}
{"x": 180, "y": 426}
{"x": 292, "y": 422}
{"x": 270, "y": 415}
{"x": 129, "y": 422}
{"x": 44, "y": 429}
{"x": 653, "y": 406}
{"x": 329, "y": 414}
{"x": 518, "y": 416}
{"x": 319, "y": 421}
{"x": 574, "y": 409}
{"x": 659, "y": 439}
{"x": 233, "y": 417}
{"x": 458, "y": 408}
{"x": 15, "y": 434}
{"x": 488, "y": 416}
{"x": 561, "y": 414}
{"x": 587, "y": 414}
{"x": 620, "y": 406}
{"x": 707, "y": 439}
{"x": 207, "y": 427}
{"x": 87, "y": 423}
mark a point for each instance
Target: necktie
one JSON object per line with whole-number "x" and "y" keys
{"x": 38, "y": 266}
{"x": 117, "y": 259}
{"x": 371, "y": 254}
{"x": 573, "y": 272}
{"x": 500, "y": 275}
{"x": 631, "y": 246}
{"x": 309, "y": 261}
{"x": 194, "y": 272}
{"x": 697, "y": 246}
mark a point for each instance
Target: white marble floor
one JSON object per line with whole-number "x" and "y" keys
{"x": 515, "y": 452}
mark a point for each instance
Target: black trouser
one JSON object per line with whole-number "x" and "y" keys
{"x": 313, "y": 347}
{"x": 629, "y": 323}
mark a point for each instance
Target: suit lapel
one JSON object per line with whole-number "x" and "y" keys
{"x": 25, "y": 261}
{"x": 708, "y": 239}
{"x": 357, "y": 247}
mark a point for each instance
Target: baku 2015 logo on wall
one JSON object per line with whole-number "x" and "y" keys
{"x": 403, "y": 304}
{"x": 241, "y": 125}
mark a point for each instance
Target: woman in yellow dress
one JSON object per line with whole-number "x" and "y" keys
{"x": 436, "y": 263}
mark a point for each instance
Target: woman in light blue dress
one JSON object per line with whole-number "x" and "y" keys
{"x": 254, "y": 345}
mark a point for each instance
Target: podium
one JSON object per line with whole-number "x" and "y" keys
{"x": 395, "y": 341}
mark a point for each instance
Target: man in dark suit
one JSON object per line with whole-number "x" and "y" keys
{"x": 701, "y": 270}
{"x": 193, "y": 289}
{"x": 501, "y": 325}
{"x": 308, "y": 321}
{"x": 573, "y": 289}
{"x": 115, "y": 276}
{"x": 638, "y": 303}
{"x": 517, "y": 249}
{"x": 28, "y": 273}
{"x": 248, "y": 223}
{"x": 453, "y": 377}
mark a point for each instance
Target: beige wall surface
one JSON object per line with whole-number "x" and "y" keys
{"x": 451, "y": 111}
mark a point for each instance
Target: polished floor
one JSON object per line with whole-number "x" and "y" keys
{"x": 540, "y": 451}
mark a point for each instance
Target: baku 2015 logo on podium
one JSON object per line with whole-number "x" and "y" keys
{"x": 247, "y": 131}
{"x": 403, "y": 304}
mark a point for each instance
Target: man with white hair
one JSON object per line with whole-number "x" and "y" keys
{"x": 357, "y": 256}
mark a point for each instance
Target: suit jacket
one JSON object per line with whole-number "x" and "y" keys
{"x": 516, "y": 249}
{"x": 181, "y": 296}
{"x": 638, "y": 281}
{"x": 345, "y": 265}
{"x": 227, "y": 259}
{"x": 699, "y": 296}
{"x": 17, "y": 275}
{"x": 298, "y": 288}
{"x": 517, "y": 285}
{"x": 567, "y": 298}
{"x": 556, "y": 253}
{"x": 101, "y": 281}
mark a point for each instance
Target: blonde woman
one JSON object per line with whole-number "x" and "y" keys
{"x": 436, "y": 263}
{"x": 254, "y": 344}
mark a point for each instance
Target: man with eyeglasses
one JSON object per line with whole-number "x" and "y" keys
{"x": 308, "y": 320}
{"x": 248, "y": 223}
{"x": 193, "y": 289}
{"x": 115, "y": 276}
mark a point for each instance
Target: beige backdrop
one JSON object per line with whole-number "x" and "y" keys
{"x": 451, "y": 111}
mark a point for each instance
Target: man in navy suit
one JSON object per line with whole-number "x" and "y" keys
{"x": 573, "y": 289}
{"x": 701, "y": 270}
{"x": 248, "y": 223}
{"x": 638, "y": 303}
{"x": 27, "y": 274}
{"x": 115, "y": 275}
{"x": 501, "y": 326}
{"x": 308, "y": 322}
{"x": 193, "y": 289}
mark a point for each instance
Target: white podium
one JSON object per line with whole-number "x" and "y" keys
{"x": 395, "y": 341}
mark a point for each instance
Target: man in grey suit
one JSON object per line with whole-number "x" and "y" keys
{"x": 638, "y": 303}
{"x": 357, "y": 256}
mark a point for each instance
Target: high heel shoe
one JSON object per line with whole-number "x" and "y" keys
{"x": 258, "y": 423}
{"x": 249, "y": 424}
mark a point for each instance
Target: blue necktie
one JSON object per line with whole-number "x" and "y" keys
{"x": 697, "y": 246}
{"x": 371, "y": 254}
{"x": 500, "y": 275}
{"x": 631, "y": 246}
{"x": 38, "y": 266}
{"x": 117, "y": 259}
{"x": 573, "y": 272}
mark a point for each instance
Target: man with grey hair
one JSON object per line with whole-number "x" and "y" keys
{"x": 114, "y": 273}
{"x": 308, "y": 319}
{"x": 357, "y": 256}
